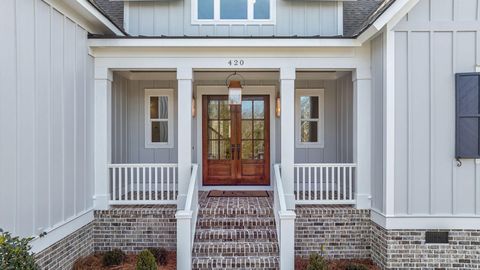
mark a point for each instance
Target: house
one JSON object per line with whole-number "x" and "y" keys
{"x": 358, "y": 117}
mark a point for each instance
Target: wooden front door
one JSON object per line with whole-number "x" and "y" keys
{"x": 236, "y": 145}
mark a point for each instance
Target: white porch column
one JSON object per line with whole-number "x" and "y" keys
{"x": 362, "y": 139}
{"x": 287, "y": 98}
{"x": 102, "y": 137}
{"x": 184, "y": 77}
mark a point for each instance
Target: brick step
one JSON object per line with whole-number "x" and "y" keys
{"x": 235, "y": 235}
{"x": 236, "y": 223}
{"x": 235, "y": 212}
{"x": 237, "y": 249}
{"x": 266, "y": 263}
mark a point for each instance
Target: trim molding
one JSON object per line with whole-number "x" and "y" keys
{"x": 422, "y": 222}
{"x": 61, "y": 230}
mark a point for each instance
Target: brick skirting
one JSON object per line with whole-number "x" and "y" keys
{"x": 406, "y": 249}
{"x": 343, "y": 231}
{"x": 134, "y": 228}
{"x": 65, "y": 252}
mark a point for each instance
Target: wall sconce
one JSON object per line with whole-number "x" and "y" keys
{"x": 235, "y": 88}
{"x": 277, "y": 107}
{"x": 194, "y": 108}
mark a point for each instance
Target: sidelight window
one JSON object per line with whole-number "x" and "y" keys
{"x": 158, "y": 118}
{"x": 309, "y": 107}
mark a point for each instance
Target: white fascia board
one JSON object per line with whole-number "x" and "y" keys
{"x": 426, "y": 222}
{"x": 390, "y": 17}
{"x": 224, "y": 42}
{"x": 92, "y": 10}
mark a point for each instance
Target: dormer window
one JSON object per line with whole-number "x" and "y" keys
{"x": 233, "y": 11}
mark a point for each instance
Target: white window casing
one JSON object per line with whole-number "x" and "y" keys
{"x": 320, "y": 93}
{"x": 217, "y": 16}
{"x": 168, "y": 93}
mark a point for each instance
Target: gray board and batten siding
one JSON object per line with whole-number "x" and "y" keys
{"x": 173, "y": 18}
{"x": 46, "y": 118}
{"x": 128, "y": 118}
{"x": 436, "y": 40}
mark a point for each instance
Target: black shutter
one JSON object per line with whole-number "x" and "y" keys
{"x": 467, "y": 132}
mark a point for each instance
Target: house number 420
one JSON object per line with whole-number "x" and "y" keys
{"x": 236, "y": 62}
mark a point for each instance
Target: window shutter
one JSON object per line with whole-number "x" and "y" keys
{"x": 467, "y": 115}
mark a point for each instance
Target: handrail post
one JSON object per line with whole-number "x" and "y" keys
{"x": 184, "y": 239}
{"x": 287, "y": 239}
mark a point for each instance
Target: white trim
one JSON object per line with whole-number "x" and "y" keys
{"x": 340, "y": 18}
{"x": 90, "y": 8}
{"x": 421, "y": 222}
{"x": 126, "y": 16}
{"x": 148, "y": 125}
{"x": 218, "y": 21}
{"x": 320, "y": 93}
{"x": 61, "y": 230}
{"x": 225, "y": 42}
{"x": 389, "y": 121}
{"x": 202, "y": 90}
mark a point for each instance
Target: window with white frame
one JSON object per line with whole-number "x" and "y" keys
{"x": 158, "y": 118}
{"x": 233, "y": 11}
{"x": 309, "y": 114}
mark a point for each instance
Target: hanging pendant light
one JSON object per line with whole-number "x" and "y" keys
{"x": 234, "y": 89}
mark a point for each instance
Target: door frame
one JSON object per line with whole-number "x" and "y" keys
{"x": 202, "y": 90}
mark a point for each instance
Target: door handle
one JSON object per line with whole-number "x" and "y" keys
{"x": 232, "y": 149}
{"x": 238, "y": 151}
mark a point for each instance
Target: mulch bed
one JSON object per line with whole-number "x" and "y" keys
{"x": 95, "y": 262}
{"x": 301, "y": 264}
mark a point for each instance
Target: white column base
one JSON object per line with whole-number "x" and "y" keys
{"x": 101, "y": 201}
{"x": 364, "y": 201}
{"x": 184, "y": 240}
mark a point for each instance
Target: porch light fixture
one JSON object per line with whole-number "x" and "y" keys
{"x": 277, "y": 107}
{"x": 234, "y": 88}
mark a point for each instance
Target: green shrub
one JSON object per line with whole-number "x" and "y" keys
{"x": 113, "y": 257}
{"x": 317, "y": 262}
{"x": 356, "y": 266}
{"x": 146, "y": 261}
{"x": 160, "y": 255}
{"x": 15, "y": 253}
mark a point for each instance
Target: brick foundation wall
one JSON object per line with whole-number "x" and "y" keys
{"x": 134, "y": 228}
{"x": 406, "y": 249}
{"x": 343, "y": 231}
{"x": 65, "y": 252}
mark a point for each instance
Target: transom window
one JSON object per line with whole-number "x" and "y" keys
{"x": 309, "y": 118}
{"x": 232, "y": 11}
{"x": 158, "y": 118}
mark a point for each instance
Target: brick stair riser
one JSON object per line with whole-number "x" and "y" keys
{"x": 235, "y": 212}
{"x": 241, "y": 263}
{"x": 236, "y": 235}
{"x": 235, "y": 249}
{"x": 239, "y": 223}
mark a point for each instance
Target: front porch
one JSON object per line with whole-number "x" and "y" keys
{"x": 162, "y": 136}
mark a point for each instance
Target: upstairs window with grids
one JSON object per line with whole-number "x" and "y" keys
{"x": 158, "y": 118}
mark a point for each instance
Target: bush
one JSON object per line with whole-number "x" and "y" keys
{"x": 316, "y": 262}
{"x": 15, "y": 253}
{"x": 160, "y": 255}
{"x": 356, "y": 266}
{"x": 146, "y": 261}
{"x": 113, "y": 257}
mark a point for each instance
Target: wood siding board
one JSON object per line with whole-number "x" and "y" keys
{"x": 80, "y": 119}
{"x": 8, "y": 115}
{"x": 25, "y": 35}
{"x": 42, "y": 115}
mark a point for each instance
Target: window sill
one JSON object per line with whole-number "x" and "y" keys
{"x": 309, "y": 145}
{"x": 233, "y": 22}
{"x": 159, "y": 145}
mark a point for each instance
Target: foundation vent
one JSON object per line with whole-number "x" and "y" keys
{"x": 432, "y": 237}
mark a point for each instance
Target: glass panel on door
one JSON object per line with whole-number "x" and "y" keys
{"x": 219, "y": 130}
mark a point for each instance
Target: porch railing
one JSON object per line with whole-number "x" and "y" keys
{"x": 143, "y": 183}
{"x": 324, "y": 183}
{"x": 284, "y": 221}
{"x": 186, "y": 223}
